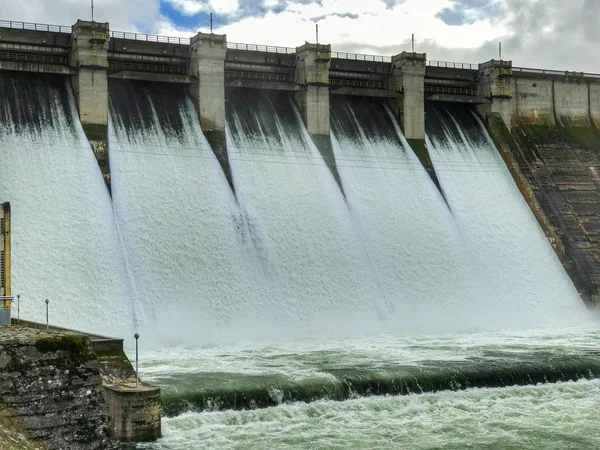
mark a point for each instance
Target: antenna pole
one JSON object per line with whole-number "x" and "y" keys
{"x": 317, "y": 29}
{"x": 211, "y": 23}
{"x": 92, "y": 10}
{"x": 500, "y": 50}
{"x": 413, "y": 42}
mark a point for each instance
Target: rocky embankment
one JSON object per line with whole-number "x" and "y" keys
{"x": 51, "y": 392}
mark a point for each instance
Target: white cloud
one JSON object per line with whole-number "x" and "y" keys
{"x": 189, "y": 7}
{"x": 543, "y": 33}
{"x": 224, "y": 6}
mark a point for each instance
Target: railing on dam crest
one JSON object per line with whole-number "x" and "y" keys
{"x": 34, "y": 26}
{"x": 452, "y": 65}
{"x": 149, "y": 37}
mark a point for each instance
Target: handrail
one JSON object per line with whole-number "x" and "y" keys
{"x": 30, "y": 57}
{"x": 452, "y": 65}
{"x": 260, "y": 76}
{"x": 360, "y": 57}
{"x": 3, "y": 300}
{"x": 290, "y": 79}
{"x": 554, "y": 72}
{"x": 149, "y": 37}
{"x": 35, "y": 26}
{"x": 155, "y": 68}
{"x": 450, "y": 90}
{"x": 261, "y": 48}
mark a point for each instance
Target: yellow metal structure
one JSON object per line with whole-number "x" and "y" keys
{"x": 5, "y": 290}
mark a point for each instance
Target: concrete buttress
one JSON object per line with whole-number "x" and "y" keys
{"x": 88, "y": 56}
{"x": 408, "y": 77}
{"x": 207, "y": 69}
{"x": 312, "y": 74}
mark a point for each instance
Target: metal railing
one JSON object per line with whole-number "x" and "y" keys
{"x": 450, "y": 90}
{"x": 259, "y": 76}
{"x": 325, "y": 81}
{"x": 360, "y": 57}
{"x": 554, "y": 72}
{"x": 261, "y": 48}
{"x": 32, "y": 48}
{"x": 149, "y": 37}
{"x": 364, "y": 84}
{"x": 33, "y": 58}
{"x": 452, "y": 65}
{"x": 155, "y": 68}
{"x": 34, "y": 26}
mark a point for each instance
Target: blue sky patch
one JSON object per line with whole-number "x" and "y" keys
{"x": 465, "y": 12}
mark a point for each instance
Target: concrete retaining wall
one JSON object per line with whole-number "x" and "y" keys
{"x": 572, "y": 102}
{"x": 533, "y": 101}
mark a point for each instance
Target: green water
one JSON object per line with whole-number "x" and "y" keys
{"x": 446, "y": 415}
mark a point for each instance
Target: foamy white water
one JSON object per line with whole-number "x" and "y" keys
{"x": 64, "y": 237}
{"x": 561, "y": 415}
{"x": 530, "y": 286}
{"x": 414, "y": 243}
{"x": 179, "y": 220}
{"x": 316, "y": 263}
{"x": 550, "y": 416}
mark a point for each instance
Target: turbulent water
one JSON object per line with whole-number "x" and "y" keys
{"x": 549, "y": 417}
{"x": 178, "y": 217}
{"x": 529, "y": 285}
{"x": 65, "y": 245}
{"x": 237, "y": 290}
{"x": 414, "y": 244}
{"x": 312, "y": 257}
{"x": 558, "y": 415}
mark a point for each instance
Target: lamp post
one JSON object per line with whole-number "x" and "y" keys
{"x": 18, "y": 309}
{"x": 136, "y": 336}
{"x": 47, "y": 302}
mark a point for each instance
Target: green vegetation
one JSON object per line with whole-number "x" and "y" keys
{"x": 76, "y": 345}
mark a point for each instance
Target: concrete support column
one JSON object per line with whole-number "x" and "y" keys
{"x": 207, "y": 69}
{"x": 494, "y": 84}
{"x": 408, "y": 75}
{"x": 89, "y": 43}
{"x": 312, "y": 74}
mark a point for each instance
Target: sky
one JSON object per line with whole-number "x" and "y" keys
{"x": 549, "y": 34}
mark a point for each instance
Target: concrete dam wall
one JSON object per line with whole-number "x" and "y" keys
{"x": 544, "y": 123}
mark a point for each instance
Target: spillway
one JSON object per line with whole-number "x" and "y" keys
{"x": 414, "y": 244}
{"x": 314, "y": 260}
{"x": 529, "y": 285}
{"x": 180, "y": 222}
{"x": 65, "y": 240}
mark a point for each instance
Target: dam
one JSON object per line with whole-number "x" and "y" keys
{"x": 300, "y": 229}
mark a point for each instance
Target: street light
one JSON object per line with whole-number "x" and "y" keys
{"x": 47, "y": 302}
{"x": 136, "y": 336}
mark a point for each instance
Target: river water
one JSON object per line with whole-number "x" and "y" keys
{"x": 501, "y": 415}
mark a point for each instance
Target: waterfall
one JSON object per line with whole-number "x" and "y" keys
{"x": 65, "y": 244}
{"x": 529, "y": 287}
{"x": 178, "y": 216}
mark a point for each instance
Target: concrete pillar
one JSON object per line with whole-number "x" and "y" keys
{"x": 494, "y": 84}
{"x": 89, "y": 44}
{"x": 312, "y": 74}
{"x": 408, "y": 75}
{"x": 135, "y": 413}
{"x": 207, "y": 69}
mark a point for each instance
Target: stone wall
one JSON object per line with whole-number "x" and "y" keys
{"x": 51, "y": 387}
